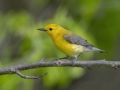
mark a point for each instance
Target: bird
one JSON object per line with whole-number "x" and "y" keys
{"x": 68, "y": 42}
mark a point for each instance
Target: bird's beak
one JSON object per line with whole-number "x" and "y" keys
{"x": 42, "y": 29}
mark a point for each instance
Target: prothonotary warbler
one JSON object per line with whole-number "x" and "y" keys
{"x": 68, "y": 42}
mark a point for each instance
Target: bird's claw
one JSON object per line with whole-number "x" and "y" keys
{"x": 73, "y": 62}
{"x": 57, "y": 61}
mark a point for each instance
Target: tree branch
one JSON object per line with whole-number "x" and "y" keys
{"x": 59, "y": 63}
{"x": 29, "y": 77}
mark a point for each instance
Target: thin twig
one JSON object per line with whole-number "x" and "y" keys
{"x": 29, "y": 77}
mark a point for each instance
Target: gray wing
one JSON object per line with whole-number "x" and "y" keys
{"x": 75, "y": 39}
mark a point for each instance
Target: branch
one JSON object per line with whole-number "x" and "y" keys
{"x": 59, "y": 63}
{"x": 29, "y": 77}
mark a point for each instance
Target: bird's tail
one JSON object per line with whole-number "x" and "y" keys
{"x": 103, "y": 51}
{"x": 99, "y": 50}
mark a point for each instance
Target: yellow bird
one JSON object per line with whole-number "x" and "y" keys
{"x": 68, "y": 42}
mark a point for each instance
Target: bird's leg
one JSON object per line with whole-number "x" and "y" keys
{"x": 73, "y": 61}
{"x": 58, "y": 60}
{"x": 62, "y": 58}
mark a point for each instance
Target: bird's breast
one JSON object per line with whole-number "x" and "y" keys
{"x": 67, "y": 48}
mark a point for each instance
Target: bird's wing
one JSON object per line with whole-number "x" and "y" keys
{"x": 75, "y": 39}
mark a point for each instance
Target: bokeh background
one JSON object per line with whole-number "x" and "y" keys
{"x": 98, "y": 21}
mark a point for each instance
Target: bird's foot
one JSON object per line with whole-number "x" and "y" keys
{"x": 73, "y": 62}
{"x": 57, "y": 61}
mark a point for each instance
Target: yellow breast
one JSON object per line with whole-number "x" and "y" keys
{"x": 66, "y": 47}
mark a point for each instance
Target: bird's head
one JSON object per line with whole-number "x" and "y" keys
{"x": 52, "y": 29}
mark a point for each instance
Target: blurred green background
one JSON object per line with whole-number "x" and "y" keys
{"x": 98, "y": 21}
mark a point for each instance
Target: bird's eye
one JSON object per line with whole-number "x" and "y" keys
{"x": 50, "y": 29}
